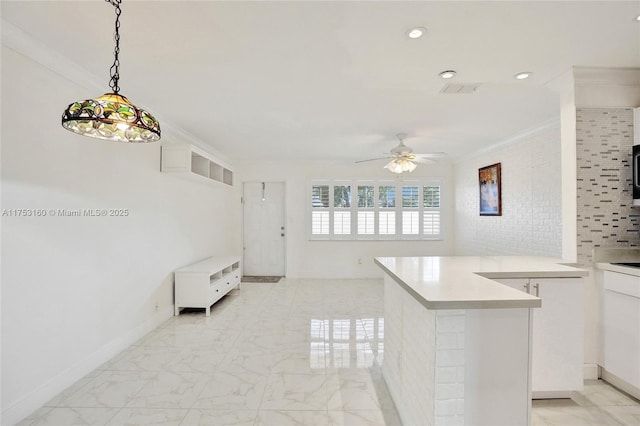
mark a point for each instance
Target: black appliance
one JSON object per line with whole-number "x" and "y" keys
{"x": 630, "y": 264}
{"x": 636, "y": 175}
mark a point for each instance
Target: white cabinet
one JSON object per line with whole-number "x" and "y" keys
{"x": 191, "y": 161}
{"x": 202, "y": 284}
{"x": 558, "y": 335}
{"x": 621, "y": 321}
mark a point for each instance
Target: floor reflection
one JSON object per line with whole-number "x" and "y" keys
{"x": 346, "y": 343}
{"x": 295, "y": 352}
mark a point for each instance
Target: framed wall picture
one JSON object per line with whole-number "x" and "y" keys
{"x": 490, "y": 190}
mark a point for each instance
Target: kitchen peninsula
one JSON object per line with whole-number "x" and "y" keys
{"x": 458, "y": 343}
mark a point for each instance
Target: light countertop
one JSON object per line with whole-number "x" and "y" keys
{"x": 619, "y": 268}
{"x": 467, "y": 282}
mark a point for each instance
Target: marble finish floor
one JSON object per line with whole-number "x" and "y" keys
{"x": 598, "y": 404}
{"x": 298, "y": 352}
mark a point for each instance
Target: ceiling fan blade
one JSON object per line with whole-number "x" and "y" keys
{"x": 432, "y": 155}
{"x": 424, "y": 160}
{"x": 373, "y": 159}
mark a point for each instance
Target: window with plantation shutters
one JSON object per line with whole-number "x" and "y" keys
{"x": 342, "y": 210}
{"x": 431, "y": 210}
{"x": 375, "y": 209}
{"x": 386, "y": 210}
{"x": 366, "y": 214}
{"x": 410, "y": 209}
{"x": 320, "y": 210}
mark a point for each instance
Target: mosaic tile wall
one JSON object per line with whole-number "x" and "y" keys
{"x": 604, "y": 139}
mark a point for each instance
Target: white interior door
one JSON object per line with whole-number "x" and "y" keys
{"x": 264, "y": 232}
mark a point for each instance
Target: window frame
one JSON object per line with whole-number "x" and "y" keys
{"x": 333, "y": 209}
{"x": 312, "y": 209}
{"x": 376, "y": 209}
{"x": 396, "y": 209}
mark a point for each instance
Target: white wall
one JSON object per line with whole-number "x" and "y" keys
{"x": 531, "y": 221}
{"x": 77, "y": 290}
{"x": 339, "y": 259}
{"x": 564, "y": 85}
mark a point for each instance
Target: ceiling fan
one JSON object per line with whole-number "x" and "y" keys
{"x": 403, "y": 159}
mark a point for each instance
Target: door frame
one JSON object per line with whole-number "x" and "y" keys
{"x": 284, "y": 217}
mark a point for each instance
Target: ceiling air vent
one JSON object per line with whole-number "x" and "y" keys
{"x": 459, "y": 88}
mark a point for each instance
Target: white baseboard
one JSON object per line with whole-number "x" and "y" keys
{"x": 41, "y": 395}
{"x": 621, "y": 384}
{"x": 591, "y": 372}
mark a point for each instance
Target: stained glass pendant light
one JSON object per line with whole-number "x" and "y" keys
{"x": 112, "y": 116}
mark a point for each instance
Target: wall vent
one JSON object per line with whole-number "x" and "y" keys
{"x": 459, "y": 88}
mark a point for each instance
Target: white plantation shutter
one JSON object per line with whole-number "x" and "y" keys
{"x": 366, "y": 225}
{"x": 410, "y": 212}
{"x": 320, "y": 223}
{"x": 410, "y": 223}
{"x": 342, "y": 223}
{"x": 431, "y": 212}
{"x": 431, "y": 223}
{"x": 387, "y": 223}
{"x": 366, "y": 215}
{"x": 342, "y": 207}
{"x": 375, "y": 209}
{"x": 320, "y": 210}
{"x": 387, "y": 210}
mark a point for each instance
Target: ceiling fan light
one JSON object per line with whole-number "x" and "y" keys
{"x": 406, "y": 165}
{"x": 393, "y": 166}
{"x": 400, "y": 165}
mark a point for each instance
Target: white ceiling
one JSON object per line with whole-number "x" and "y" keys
{"x": 337, "y": 80}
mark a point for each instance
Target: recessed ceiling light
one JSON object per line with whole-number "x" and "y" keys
{"x": 638, "y": 18}
{"x": 447, "y": 74}
{"x": 523, "y": 75}
{"x": 416, "y": 32}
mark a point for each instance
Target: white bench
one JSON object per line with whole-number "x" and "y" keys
{"x": 201, "y": 284}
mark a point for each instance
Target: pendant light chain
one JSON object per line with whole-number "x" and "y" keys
{"x": 115, "y": 68}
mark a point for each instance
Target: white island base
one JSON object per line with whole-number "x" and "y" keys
{"x": 456, "y": 366}
{"x": 458, "y": 345}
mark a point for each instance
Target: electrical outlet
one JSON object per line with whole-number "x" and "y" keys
{"x": 359, "y": 261}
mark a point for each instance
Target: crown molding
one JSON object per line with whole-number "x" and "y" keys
{"x": 19, "y": 41}
{"x": 600, "y": 76}
{"x": 606, "y": 87}
{"x": 518, "y": 137}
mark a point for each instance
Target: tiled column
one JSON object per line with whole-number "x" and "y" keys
{"x": 449, "y": 377}
{"x": 424, "y": 359}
